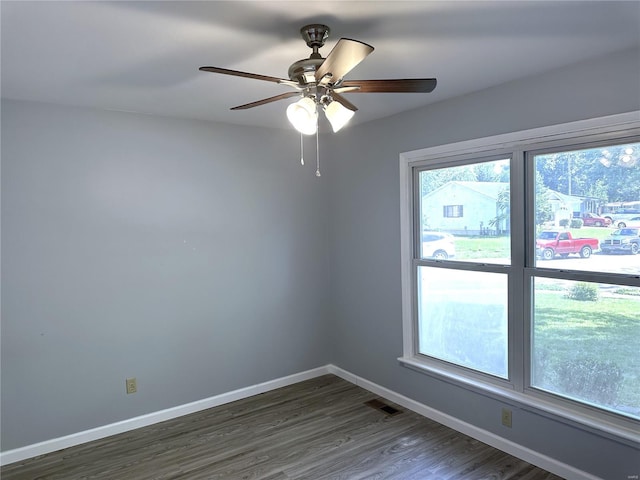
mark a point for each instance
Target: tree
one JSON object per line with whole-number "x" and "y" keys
{"x": 543, "y": 206}
{"x": 431, "y": 180}
{"x": 503, "y": 207}
{"x": 610, "y": 174}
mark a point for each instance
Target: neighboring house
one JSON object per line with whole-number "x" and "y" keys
{"x": 465, "y": 208}
{"x": 562, "y": 206}
{"x": 568, "y": 206}
{"x": 472, "y": 208}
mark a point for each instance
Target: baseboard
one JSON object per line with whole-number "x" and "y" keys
{"x": 48, "y": 446}
{"x": 535, "y": 458}
{"x": 550, "y": 464}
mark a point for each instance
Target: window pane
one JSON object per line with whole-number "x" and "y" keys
{"x": 462, "y": 318}
{"x": 585, "y": 343}
{"x": 592, "y": 196}
{"x": 464, "y": 212}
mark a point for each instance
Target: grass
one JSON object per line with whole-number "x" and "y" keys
{"x": 606, "y": 331}
{"x": 592, "y": 232}
{"x": 470, "y": 248}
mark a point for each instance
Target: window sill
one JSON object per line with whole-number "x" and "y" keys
{"x": 575, "y": 417}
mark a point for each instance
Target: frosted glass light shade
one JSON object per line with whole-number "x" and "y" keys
{"x": 338, "y": 115}
{"x": 303, "y": 116}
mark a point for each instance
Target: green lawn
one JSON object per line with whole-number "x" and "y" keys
{"x": 589, "y": 349}
{"x": 470, "y": 248}
{"x": 592, "y": 232}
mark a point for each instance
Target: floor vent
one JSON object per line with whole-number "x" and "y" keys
{"x": 383, "y": 407}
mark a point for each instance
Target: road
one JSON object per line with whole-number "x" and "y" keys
{"x": 626, "y": 264}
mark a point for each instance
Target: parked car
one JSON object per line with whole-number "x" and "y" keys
{"x": 620, "y": 218}
{"x": 551, "y": 243}
{"x": 593, "y": 220}
{"x": 438, "y": 245}
{"x": 631, "y": 223}
{"x": 624, "y": 240}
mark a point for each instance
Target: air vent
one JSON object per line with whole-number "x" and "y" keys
{"x": 383, "y": 407}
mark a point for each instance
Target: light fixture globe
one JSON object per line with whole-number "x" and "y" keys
{"x": 303, "y": 116}
{"x": 338, "y": 115}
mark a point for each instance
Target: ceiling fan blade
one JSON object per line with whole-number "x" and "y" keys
{"x": 408, "y": 85}
{"x": 345, "y": 55}
{"x": 237, "y": 73}
{"x": 264, "y": 101}
{"x": 346, "y": 103}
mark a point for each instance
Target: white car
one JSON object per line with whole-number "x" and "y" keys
{"x": 621, "y": 218}
{"x": 630, "y": 223}
{"x": 438, "y": 245}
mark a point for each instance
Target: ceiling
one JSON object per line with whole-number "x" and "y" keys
{"x": 144, "y": 56}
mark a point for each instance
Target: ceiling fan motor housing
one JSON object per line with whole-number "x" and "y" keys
{"x": 315, "y": 35}
{"x": 303, "y": 71}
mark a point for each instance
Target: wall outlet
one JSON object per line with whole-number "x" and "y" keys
{"x": 506, "y": 417}
{"x": 132, "y": 385}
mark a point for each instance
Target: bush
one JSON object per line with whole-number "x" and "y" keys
{"x": 580, "y": 376}
{"x": 590, "y": 379}
{"x": 576, "y": 223}
{"x": 583, "y": 292}
{"x": 564, "y": 222}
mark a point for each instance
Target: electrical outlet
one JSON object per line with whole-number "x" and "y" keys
{"x": 132, "y": 385}
{"x": 506, "y": 417}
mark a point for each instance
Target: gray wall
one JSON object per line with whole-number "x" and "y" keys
{"x": 365, "y": 240}
{"x": 190, "y": 255}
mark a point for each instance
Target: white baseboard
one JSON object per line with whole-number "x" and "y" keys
{"x": 535, "y": 458}
{"x": 48, "y": 446}
{"x": 526, "y": 454}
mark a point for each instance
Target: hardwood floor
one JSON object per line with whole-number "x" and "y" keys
{"x": 317, "y": 429}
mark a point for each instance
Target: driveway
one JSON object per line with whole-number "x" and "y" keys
{"x": 598, "y": 262}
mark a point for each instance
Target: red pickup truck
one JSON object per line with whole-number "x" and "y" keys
{"x": 551, "y": 243}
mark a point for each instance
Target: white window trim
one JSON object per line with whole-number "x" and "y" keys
{"x": 579, "y": 417}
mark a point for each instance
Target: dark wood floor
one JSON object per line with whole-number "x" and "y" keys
{"x": 318, "y": 429}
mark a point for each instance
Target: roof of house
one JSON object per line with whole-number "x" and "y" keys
{"x": 493, "y": 189}
{"x": 488, "y": 189}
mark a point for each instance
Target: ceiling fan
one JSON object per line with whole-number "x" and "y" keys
{"x": 320, "y": 82}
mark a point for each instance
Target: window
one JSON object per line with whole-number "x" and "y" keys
{"x": 519, "y": 297}
{"x": 584, "y": 329}
{"x": 462, "y": 318}
{"x": 462, "y": 309}
{"x": 452, "y": 211}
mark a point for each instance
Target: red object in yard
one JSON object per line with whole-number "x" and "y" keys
{"x": 593, "y": 220}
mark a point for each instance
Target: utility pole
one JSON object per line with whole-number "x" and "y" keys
{"x": 569, "y": 174}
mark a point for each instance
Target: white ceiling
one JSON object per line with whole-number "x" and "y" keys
{"x": 144, "y": 56}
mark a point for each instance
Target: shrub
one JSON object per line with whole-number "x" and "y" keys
{"x": 590, "y": 379}
{"x": 564, "y": 222}
{"x": 627, "y": 291}
{"x": 576, "y": 223}
{"x": 579, "y": 376}
{"x": 583, "y": 292}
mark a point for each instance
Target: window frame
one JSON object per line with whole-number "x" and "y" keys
{"x": 520, "y": 147}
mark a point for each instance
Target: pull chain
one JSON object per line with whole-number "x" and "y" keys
{"x": 301, "y": 150}
{"x": 317, "y": 150}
